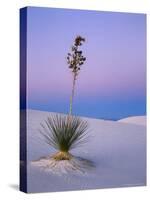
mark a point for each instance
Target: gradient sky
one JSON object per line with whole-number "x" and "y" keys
{"x": 111, "y": 83}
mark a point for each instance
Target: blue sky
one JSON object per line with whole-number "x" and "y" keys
{"x": 112, "y": 82}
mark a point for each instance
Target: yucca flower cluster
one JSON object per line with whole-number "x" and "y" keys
{"x": 76, "y": 59}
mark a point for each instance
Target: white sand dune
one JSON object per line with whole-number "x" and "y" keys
{"x": 139, "y": 120}
{"x": 118, "y": 151}
{"x": 75, "y": 166}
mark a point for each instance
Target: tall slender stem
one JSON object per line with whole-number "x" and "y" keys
{"x": 72, "y": 93}
{"x": 75, "y": 60}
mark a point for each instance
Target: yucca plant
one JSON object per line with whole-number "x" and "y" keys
{"x": 67, "y": 132}
{"x": 64, "y": 136}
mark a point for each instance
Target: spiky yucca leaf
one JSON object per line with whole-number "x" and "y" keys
{"x": 64, "y": 132}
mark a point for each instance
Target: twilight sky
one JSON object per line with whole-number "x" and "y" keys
{"x": 111, "y": 83}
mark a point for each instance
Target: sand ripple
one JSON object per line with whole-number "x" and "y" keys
{"x": 74, "y": 165}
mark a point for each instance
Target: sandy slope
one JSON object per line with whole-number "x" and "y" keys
{"x": 118, "y": 151}
{"x": 139, "y": 120}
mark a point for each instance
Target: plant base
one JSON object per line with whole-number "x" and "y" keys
{"x": 62, "y": 156}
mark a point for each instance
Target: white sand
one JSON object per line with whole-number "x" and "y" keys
{"x": 139, "y": 120}
{"x": 75, "y": 166}
{"x": 118, "y": 151}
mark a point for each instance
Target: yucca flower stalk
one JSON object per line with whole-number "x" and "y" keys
{"x": 75, "y": 60}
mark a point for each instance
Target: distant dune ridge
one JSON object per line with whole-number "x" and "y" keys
{"x": 139, "y": 120}
{"x": 117, "y": 149}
